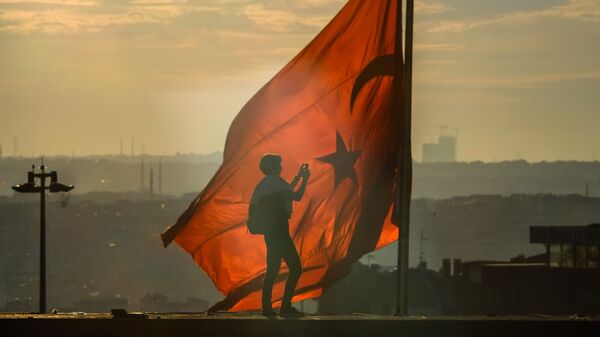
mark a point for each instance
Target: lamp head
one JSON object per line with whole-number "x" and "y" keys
{"x": 58, "y": 187}
{"x": 26, "y": 188}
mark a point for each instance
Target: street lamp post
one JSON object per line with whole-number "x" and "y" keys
{"x": 31, "y": 187}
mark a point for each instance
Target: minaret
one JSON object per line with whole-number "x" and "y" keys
{"x": 587, "y": 189}
{"x": 151, "y": 182}
{"x": 159, "y": 175}
{"x": 142, "y": 176}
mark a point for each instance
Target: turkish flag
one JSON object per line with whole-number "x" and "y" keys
{"x": 331, "y": 107}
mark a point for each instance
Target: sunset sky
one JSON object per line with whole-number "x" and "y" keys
{"x": 518, "y": 79}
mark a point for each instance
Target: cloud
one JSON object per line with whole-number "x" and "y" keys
{"x": 586, "y": 10}
{"x": 265, "y": 52}
{"x": 69, "y": 21}
{"x": 525, "y": 81}
{"x": 583, "y": 10}
{"x": 70, "y": 16}
{"x": 157, "y": 2}
{"x": 426, "y": 62}
{"x": 282, "y": 21}
{"x": 427, "y": 7}
{"x": 450, "y": 27}
{"x": 438, "y": 46}
{"x": 270, "y": 19}
{"x": 52, "y": 2}
{"x": 317, "y": 3}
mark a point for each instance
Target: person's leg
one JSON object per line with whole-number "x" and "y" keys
{"x": 273, "y": 264}
{"x": 292, "y": 260}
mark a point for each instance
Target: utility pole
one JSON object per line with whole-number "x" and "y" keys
{"x": 31, "y": 187}
{"x": 142, "y": 176}
{"x": 159, "y": 175}
{"x": 587, "y": 189}
{"x": 151, "y": 182}
{"x": 422, "y": 252}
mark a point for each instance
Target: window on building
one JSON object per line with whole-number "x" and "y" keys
{"x": 581, "y": 256}
{"x": 555, "y": 255}
{"x": 566, "y": 256}
{"x": 592, "y": 256}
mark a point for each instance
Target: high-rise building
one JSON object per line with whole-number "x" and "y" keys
{"x": 442, "y": 151}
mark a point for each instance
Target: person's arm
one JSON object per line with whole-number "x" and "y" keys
{"x": 295, "y": 181}
{"x": 297, "y": 195}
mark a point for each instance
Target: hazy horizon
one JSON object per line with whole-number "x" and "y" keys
{"x": 36, "y": 159}
{"x": 519, "y": 80}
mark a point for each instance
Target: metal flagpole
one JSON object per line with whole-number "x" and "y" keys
{"x": 398, "y": 109}
{"x": 404, "y": 178}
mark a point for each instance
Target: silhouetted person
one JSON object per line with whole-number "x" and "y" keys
{"x": 275, "y": 195}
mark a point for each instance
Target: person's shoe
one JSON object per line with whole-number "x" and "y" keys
{"x": 269, "y": 312}
{"x": 291, "y": 311}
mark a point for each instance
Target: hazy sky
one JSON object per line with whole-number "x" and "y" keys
{"x": 518, "y": 78}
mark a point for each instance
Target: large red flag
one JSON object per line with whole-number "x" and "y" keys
{"x": 331, "y": 107}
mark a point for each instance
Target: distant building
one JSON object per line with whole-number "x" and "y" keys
{"x": 562, "y": 281}
{"x": 442, "y": 151}
{"x": 569, "y": 246}
{"x": 371, "y": 289}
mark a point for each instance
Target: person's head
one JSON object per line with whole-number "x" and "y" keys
{"x": 270, "y": 164}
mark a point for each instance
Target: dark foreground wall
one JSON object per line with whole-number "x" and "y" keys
{"x": 312, "y": 326}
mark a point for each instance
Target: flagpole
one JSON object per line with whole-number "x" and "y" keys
{"x": 404, "y": 182}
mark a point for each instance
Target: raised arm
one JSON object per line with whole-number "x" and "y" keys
{"x": 304, "y": 174}
{"x": 295, "y": 181}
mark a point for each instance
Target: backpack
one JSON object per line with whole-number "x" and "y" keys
{"x": 256, "y": 219}
{"x": 267, "y": 214}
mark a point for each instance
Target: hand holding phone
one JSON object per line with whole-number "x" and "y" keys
{"x": 304, "y": 171}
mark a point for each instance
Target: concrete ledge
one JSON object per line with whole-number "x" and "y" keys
{"x": 225, "y": 325}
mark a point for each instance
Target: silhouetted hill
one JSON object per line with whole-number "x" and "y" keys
{"x": 180, "y": 173}
{"x": 444, "y": 180}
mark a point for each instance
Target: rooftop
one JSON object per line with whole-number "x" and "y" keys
{"x": 249, "y": 324}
